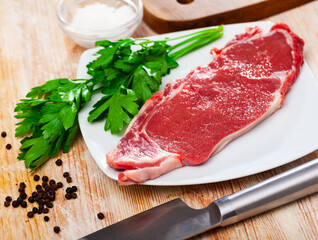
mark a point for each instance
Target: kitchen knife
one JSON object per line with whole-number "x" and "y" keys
{"x": 176, "y": 220}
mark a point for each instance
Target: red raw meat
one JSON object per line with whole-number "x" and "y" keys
{"x": 194, "y": 118}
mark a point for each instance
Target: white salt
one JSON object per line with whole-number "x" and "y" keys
{"x": 99, "y": 16}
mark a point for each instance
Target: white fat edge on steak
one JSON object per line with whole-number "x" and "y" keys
{"x": 171, "y": 162}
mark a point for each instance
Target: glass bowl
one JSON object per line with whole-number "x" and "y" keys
{"x": 112, "y": 30}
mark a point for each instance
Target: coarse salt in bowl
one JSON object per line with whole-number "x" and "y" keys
{"x": 88, "y": 21}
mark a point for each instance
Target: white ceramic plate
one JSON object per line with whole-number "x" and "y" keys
{"x": 290, "y": 133}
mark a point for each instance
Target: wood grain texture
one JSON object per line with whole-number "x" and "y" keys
{"x": 33, "y": 50}
{"x": 168, "y": 16}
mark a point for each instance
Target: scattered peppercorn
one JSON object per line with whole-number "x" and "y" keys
{"x": 58, "y": 162}
{"x": 34, "y": 194}
{"x": 6, "y": 203}
{"x": 74, "y": 188}
{"x": 59, "y": 184}
{"x": 74, "y": 195}
{"x": 69, "y": 190}
{"x": 36, "y": 177}
{"x": 47, "y": 188}
{"x": 21, "y": 189}
{"x": 52, "y": 182}
{"x": 100, "y": 216}
{"x": 31, "y": 200}
{"x": 45, "y": 210}
{"x": 69, "y": 179}
{"x": 30, "y": 214}
{"x": 45, "y": 179}
{"x": 46, "y": 218}
{"x": 15, "y": 204}
{"x": 41, "y": 206}
{"x": 38, "y": 187}
{"x": 49, "y": 205}
{"x": 56, "y": 229}
{"x": 55, "y": 187}
{"x": 35, "y": 210}
{"x": 22, "y": 185}
{"x": 66, "y": 174}
{"x": 52, "y": 198}
{"x": 23, "y": 195}
{"x": 19, "y": 199}
{"x": 3, "y": 134}
{"x": 8, "y": 146}
{"x": 68, "y": 196}
{"x": 8, "y": 199}
{"x": 40, "y": 211}
{"x": 24, "y": 204}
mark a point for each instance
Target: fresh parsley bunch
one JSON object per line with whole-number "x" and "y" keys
{"x": 126, "y": 72}
{"x": 51, "y": 115}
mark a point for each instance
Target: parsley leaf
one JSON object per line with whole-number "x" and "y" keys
{"x": 50, "y": 115}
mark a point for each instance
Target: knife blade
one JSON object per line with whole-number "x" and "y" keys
{"x": 176, "y": 220}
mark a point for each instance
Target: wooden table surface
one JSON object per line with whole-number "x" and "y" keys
{"x": 33, "y": 49}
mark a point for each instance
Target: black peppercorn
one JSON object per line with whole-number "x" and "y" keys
{"x": 22, "y": 185}
{"x": 6, "y": 203}
{"x": 8, "y": 146}
{"x": 30, "y": 214}
{"x": 68, "y": 196}
{"x": 52, "y": 182}
{"x": 100, "y": 216}
{"x": 15, "y": 204}
{"x": 34, "y": 194}
{"x": 23, "y": 195}
{"x": 8, "y": 199}
{"x": 3, "y": 134}
{"x": 58, "y": 162}
{"x": 69, "y": 190}
{"x": 35, "y": 210}
{"x": 45, "y": 179}
{"x": 24, "y": 204}
{"x": 69, "y": 179}
{"x": 49, "y": 205}
{"x": 66, "y": 174}
{"x": 31, "y": 200}
{"x": 74, "y": 195}
{"x": 45, "y": 210}
{"x": 36, "y": 177}
{"x": 19, "y": 199}
{"x": 46, "y": 218}
{"x": 59, "y": 184}
{"x": 56, "y": 229}
{"x": 74, "y": 188}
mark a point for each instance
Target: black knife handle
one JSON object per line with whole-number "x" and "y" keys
{"x": 273, "y": 192}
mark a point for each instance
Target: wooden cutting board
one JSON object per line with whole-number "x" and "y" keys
{"x": 175, "y": 15}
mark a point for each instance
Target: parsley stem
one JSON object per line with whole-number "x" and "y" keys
{"x": 204, "y": 31}
{"x": 201, "y": 42}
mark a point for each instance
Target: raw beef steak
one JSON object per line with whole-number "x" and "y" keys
{"x": 194, "y": 118}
